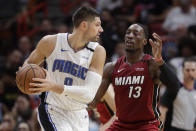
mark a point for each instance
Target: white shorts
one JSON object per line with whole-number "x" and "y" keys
{"x": 55, "y": 119}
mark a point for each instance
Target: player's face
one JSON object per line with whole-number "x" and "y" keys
{"x": 94, "y": 29}
{"x": 189, "y": 70}
{"x": 134, "y": 37}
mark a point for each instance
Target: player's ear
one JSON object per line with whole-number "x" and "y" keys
{"x": 145, "y": 41}
{"x": 84, "y": 25}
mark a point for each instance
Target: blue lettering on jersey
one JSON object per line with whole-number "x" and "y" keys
{"x": 70, "y": 68}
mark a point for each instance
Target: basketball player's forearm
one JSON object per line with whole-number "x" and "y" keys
{"x": 169, "y": 78}
{"x": 87, "y": 92}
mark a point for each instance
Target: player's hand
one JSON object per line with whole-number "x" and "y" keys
{"x": 42, "y": 85}
{"x": 19, "y": 68}
{"x": 156, "y": 46}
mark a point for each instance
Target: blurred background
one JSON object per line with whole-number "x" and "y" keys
{"x": 24, "y": 22}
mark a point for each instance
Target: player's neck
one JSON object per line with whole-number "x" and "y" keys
{"x": 189, "y": 84}
{"x": 77, "y": 41}
{"x": 134, "y": 56}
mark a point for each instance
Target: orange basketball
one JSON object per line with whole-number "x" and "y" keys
{"x": 25, "y": 74}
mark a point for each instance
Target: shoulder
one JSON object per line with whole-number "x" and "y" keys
{"x": 110, "y": 65}
{"x": 47, "y": 44}
{"x": 109, "y": 68}
{"x": 99, "y": 51}
{"x": 49, "y": 38}
{"x": 100, "y": 48}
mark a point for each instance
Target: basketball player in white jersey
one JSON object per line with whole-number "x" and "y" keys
{"x": 74, "y": 72}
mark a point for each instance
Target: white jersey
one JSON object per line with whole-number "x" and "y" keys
{"x": 67, "y": 67}
{"x": 184, "y": 109}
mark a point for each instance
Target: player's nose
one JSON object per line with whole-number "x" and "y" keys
{"x": 101, "y": 29}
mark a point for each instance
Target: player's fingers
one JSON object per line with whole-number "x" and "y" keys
{"x": 157, "y": 35}
{"x": 158, "y": 39}
{"x": 39, "y": 80}
{"x": 19, "y": 68}
{"x": 35, "y": 89}
{"x": 36, "y": 85}
{"x": 151, "y": 42}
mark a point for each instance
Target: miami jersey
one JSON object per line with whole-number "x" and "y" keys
{"x": 136, "y": 96}
{"x": 67, "y": 67}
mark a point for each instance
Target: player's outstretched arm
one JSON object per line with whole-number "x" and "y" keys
{"x": 43, "y": 49}
{"x": 106, "y": 81}
{"x": 109, "y": 98}
{"x": 167, "y": 76}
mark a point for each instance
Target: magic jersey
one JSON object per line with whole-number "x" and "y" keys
{"x": 67, "y": 67}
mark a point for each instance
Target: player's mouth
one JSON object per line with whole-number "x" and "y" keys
{"x": 98, "y": 35}
{"x": 129, "y": 42}
{"x": 192, "y": 78}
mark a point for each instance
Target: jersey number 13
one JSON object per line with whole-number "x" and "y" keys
{"x": 137, "y": 92}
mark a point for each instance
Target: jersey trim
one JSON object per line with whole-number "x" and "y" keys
{"x": 45, "y": 118}
{"x": 161, "y": 126}
{"x": 156, "y": 101}
{"x": 43, "y": 94}
{"x": 89, "y": 48}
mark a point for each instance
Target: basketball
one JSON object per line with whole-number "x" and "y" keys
{"x": 25, "y": 74}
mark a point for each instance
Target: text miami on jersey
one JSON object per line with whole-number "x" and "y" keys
{"x": 131, "y": 80}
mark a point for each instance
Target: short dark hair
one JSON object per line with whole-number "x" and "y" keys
{"x": 146, "y": 33}
{"x": 189, "y": 59}
{"x": 82, "y": 14}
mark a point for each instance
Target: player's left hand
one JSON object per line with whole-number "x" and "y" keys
{"x": 156, "y": 46}
{"x": 42, "y": 85}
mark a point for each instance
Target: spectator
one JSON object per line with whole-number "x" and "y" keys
{"x": 192, "y": 32}
{"x": 119, "y": 51}
{"x": 125, "y": 12}
{"x": 4, "y": 126}
{"x": 22, "y": 108}
{"x": 108, "y": 4}
{"x": 9, "y": 118}
{"x": 10, "y": 90}
{"x": 8, "y": 122}
{"x": 25, "y": 46}
{"x": 46, "y": 29}
{"x": 180, "y": 17}
{"x": 151, "y": 11}
{"x": 186, "y": 48}
{"x": 62, "y": 28}
{"x": 109, "y": 36}
{"x": 23, "y": 126}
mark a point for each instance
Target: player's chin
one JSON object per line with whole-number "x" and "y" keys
{"x": 129, "y": 47}
{"x": 96, "y": 39}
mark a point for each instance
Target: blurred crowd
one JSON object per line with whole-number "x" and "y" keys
{"x": 24, "y": 22}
